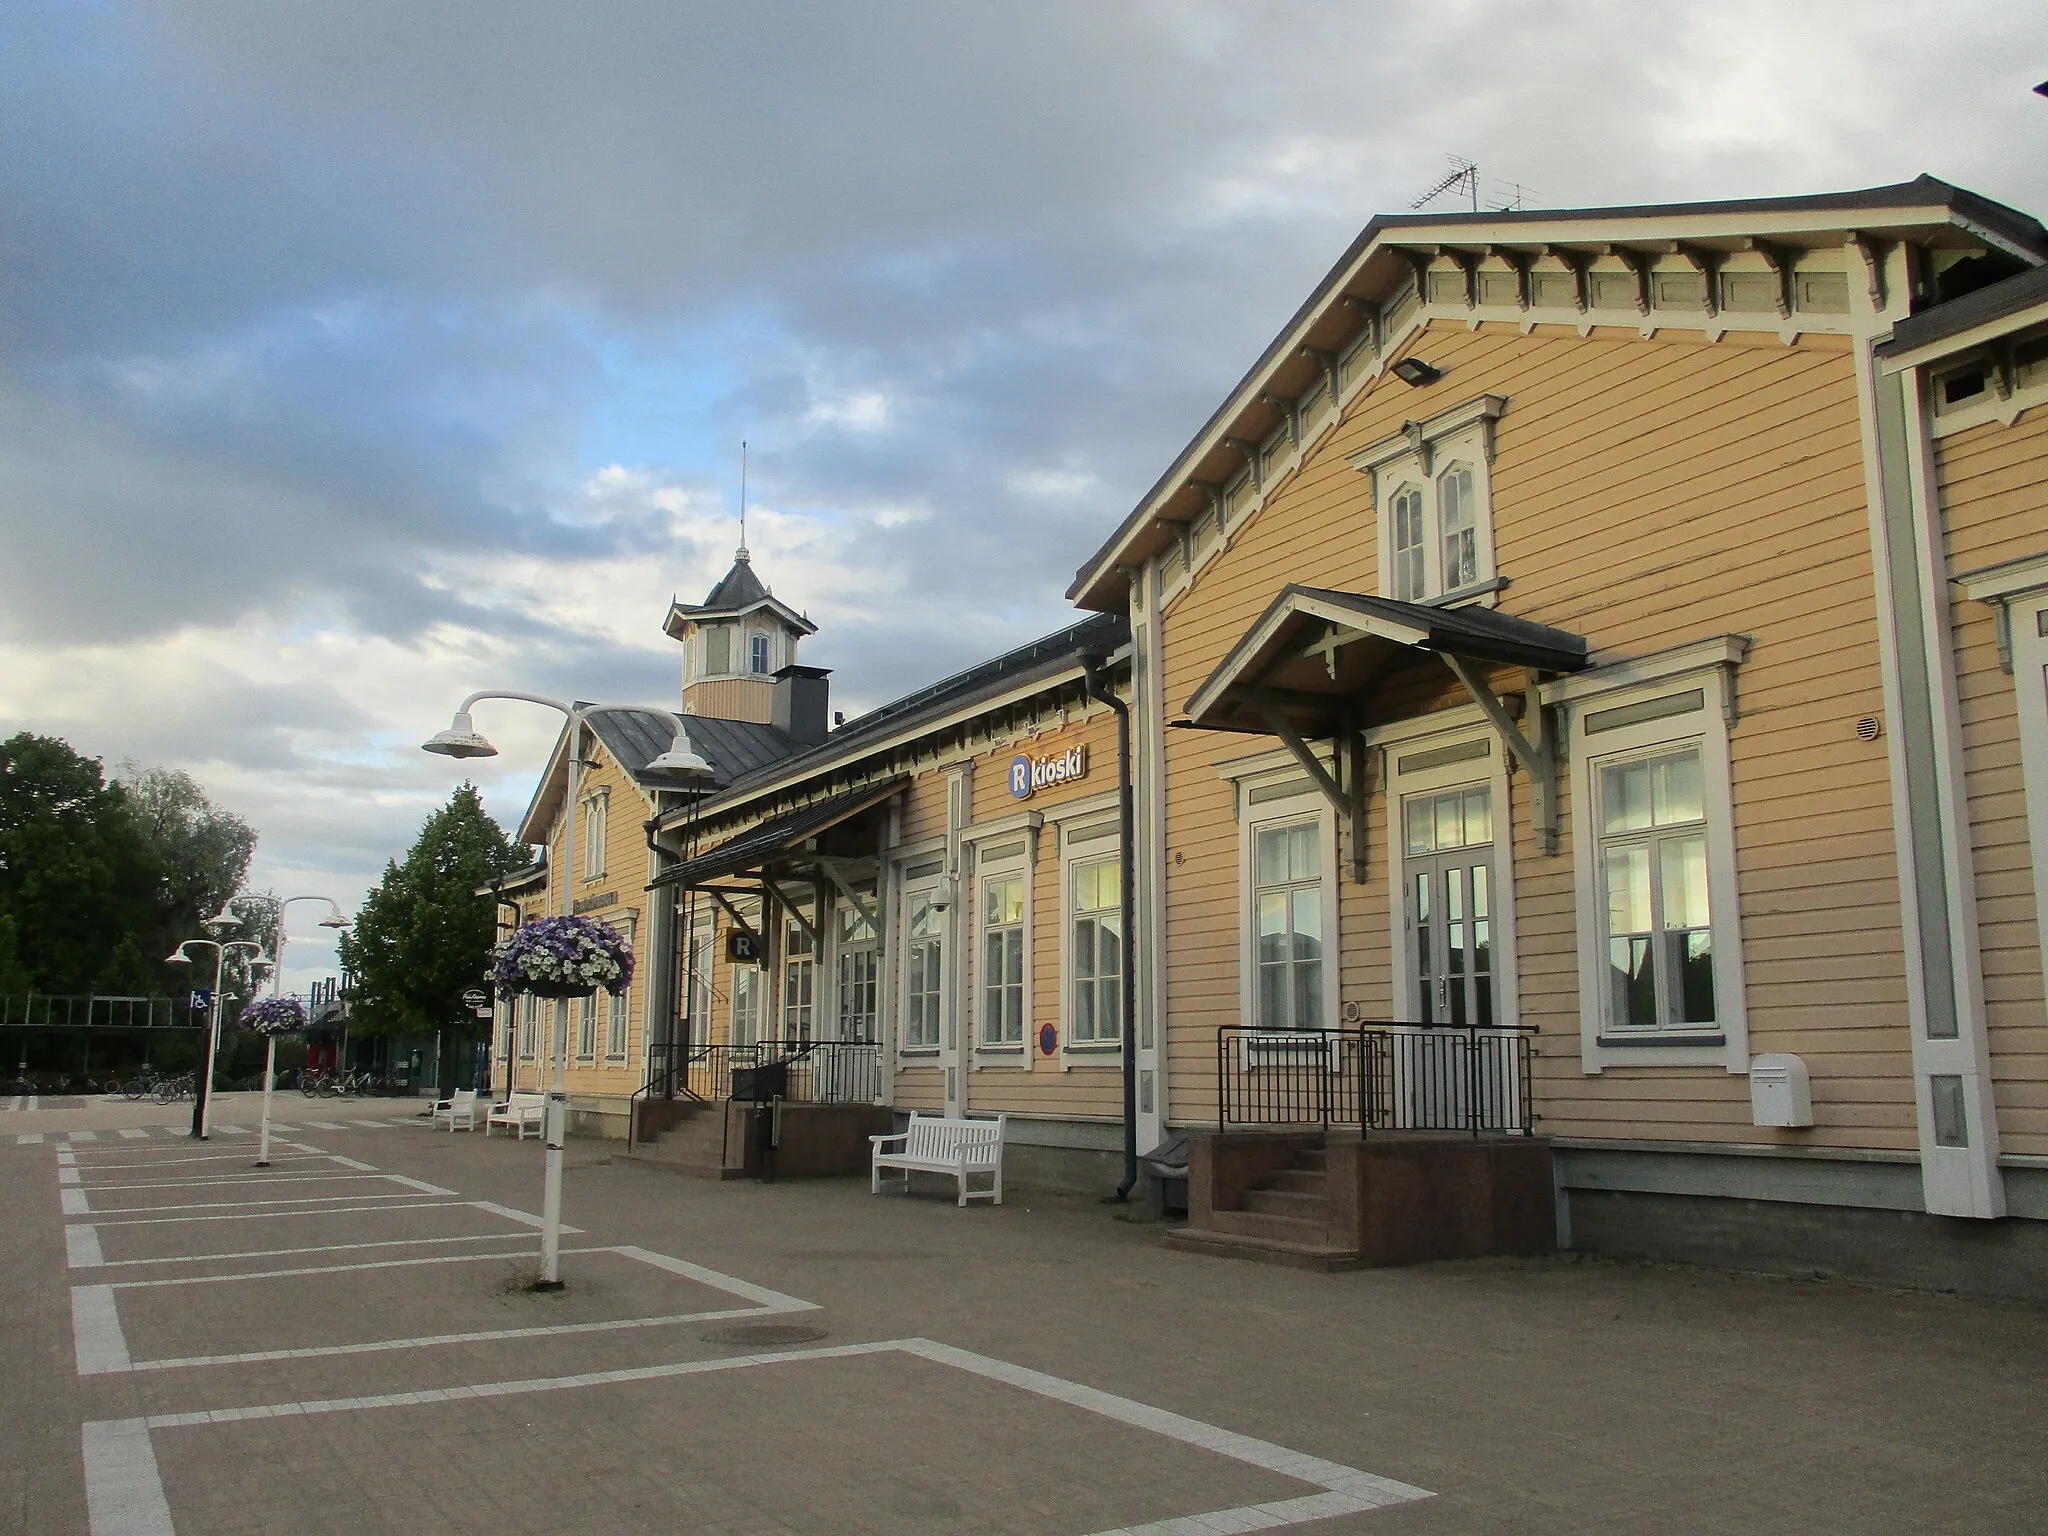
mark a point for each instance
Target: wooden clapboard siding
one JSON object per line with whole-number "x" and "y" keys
{"x": 1645, "y": 493}
{"x": 1994, "y": 492}
{"x": 732, "y": 698}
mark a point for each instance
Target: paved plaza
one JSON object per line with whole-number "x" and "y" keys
{"x": 345, "y": 1343}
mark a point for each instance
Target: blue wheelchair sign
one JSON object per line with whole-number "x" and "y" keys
{"x": 202, "y": 999}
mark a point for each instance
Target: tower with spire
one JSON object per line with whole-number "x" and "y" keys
{"x": 734, "y": 643}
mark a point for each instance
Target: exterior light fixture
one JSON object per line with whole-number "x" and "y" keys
{"x": 461, "y": 739}
{"x": 1415, "y": 372}
{"x": 223, "y": 920}
{"x": 681, "y": 758}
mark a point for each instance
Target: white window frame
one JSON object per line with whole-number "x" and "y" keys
{"x": 595, "y": 805}
{"x": 583, "y": 1026}
{"x": 1493, "y": 772}
{"x": 1420, "y": 458}
{"x": 618, "y": 1024}
{"x": 1089, "y": 841}
{"x": 2017, "y": 591}
{"x": 529, "y": 1026}
{"x": 1011, "y": 866}
{"x": 763, "y": 642}
{"x": 1726, "y": 1043}
{"x": 841, "y": 949}
{"x": 755, "y": 990}
{"x": 785, "y": 958}
{"x": 922, "y": 1051}
{"x": 1301, "y": 803}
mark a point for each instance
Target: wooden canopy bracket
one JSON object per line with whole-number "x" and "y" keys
{"x": 1351, "y": 806}
{"x": 1537, "y": 756}
{"x": 782, "y": 900}
{"x": 868, "y": 913}
{"x": 733, "y": 912}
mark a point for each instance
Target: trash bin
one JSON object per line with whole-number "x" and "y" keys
{"x": 761, "y": 1084}
{"x": 1167, "y": 1164}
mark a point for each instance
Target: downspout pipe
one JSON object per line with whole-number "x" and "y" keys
{"x": 1126, "y": 820}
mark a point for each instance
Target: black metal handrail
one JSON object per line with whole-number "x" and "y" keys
{"x": 815, "y": 1071}
{"x": 1380, "y": 1076}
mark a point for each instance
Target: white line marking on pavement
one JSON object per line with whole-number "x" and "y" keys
{"x": 484, "y": 1336}
{"x": 760, "y": 1295}
{"x": 419, "y": 1184}
{"x": 72, "y": 1202}
{"x": 1346, "y": 1490}
{"x": 375, "y": 1125}
{"x": 96, "y": 1331}
{"x": 81, "y": 1135}
{"x": 124, "y": 1492}
{"x": 228, "y": 1205}
{"x": 135, "y": 1135}
{"x": 19, "y": 1101}
{"x": 174, "y": 1162}
{"x": 278, "y": 1178}
{"x": 29, "y": 1139}
{"x": 279, "y": 1253}
{"x": 68, "y": 1174}
{"x": 243, "y": 1130}
{"x": 341, "y": 1269}
{"x": 66, "y": 1158}
{"x": 325, "y": 1125}
{"x": 277, "y": 1125}
{"x": 82, "y": 1246}
{"x": 339, "y": 1210}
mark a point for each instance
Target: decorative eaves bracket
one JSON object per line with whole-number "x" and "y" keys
{"x": 868, "y": 914}
{"x": 1538, "y": 756}
{"x": 782, "y": 900}
{"x": 738, "y": 921}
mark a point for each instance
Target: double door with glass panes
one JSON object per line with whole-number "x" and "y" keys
{"x": 1448, "y": 918}
{"x": 857, "y": 966}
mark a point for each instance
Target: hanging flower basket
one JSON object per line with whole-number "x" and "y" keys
{"x": 562, "y": 957}
{"x": 274, "y": 1016}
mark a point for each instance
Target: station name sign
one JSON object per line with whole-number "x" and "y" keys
{"x": 1031, "y": 774}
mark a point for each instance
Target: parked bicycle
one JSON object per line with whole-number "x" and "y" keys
{"x": 171, "y": 1089}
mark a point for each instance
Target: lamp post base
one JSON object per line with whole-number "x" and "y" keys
{"x": 548, "y": 1287}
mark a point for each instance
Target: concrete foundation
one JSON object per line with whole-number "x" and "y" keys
{"x": 2006, "y": 1258}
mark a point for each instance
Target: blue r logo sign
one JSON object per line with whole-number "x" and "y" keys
{"x": 1020, "y": 778}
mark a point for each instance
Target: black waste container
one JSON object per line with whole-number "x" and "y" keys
{"x": 759, "y": 1085}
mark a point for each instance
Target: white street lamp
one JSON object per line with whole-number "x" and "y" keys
{"x": 202, "y": 1109}
{"x": 463, "y": 740}
{"x": 333, "y": 919}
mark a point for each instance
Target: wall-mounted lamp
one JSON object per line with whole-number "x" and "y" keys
{"x": 1414, "y": 371}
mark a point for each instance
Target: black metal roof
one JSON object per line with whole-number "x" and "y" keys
{"x": 1097, "y": 634}
{"x": 778, "y": 834}
{"x": 1993, "y": 302}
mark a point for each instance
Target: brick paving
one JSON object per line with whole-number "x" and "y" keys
{"x": 369, "y": 1361}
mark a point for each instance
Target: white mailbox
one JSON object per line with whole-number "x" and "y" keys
{"x": 1778, "y": 1091}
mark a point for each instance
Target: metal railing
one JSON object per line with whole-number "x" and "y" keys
{"x": 812, "y": 1071}
{"x": 35, "y": 1010}
{"x": 1386, "y": 1076}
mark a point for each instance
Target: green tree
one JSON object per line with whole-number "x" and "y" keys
{"x": 76, "y": 875}
{"x": 424, "y": 936}
{"x": 128, "y": 972}
{"x": 201, "y": 852}
{"x": 13, "y": 976}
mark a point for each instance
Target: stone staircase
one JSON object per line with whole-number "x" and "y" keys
{"x": 682, "y": 1136}
{"x": 1284, "y": 1218}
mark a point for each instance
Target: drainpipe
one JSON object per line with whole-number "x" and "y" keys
{"x": 1099, "y": 689}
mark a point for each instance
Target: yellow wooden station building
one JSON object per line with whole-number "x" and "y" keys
{"x": 1584, "y": 703}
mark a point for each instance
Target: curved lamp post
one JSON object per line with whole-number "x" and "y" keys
{"x": 333, "y": 919}
{"x": 222, "y": 922}
{"x": 463, "y": 740}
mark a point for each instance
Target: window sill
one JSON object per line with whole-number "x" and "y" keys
{"x": 1096, "y": 1048}
{"x": 926, "y": 1053}
{"x": 1653, "y": 1042}
{"x": 1468, "y": 594}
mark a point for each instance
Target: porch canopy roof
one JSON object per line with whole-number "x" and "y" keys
{"x": 1308, "y": 668}
{"x": 1314, "y": 654}
{"x": 759, "y": 846}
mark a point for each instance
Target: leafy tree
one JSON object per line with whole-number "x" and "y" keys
{"x": 76, "y": 875}
{"x": 128, "y": 972}
{"x": 424, "y": 936}
{"x": 13, "y": 976}
{"x": 202, "y": 852}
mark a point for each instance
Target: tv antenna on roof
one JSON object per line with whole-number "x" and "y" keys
{"x": 1464, "y": 177}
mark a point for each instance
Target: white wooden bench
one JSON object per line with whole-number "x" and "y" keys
{"x": 465, "y": 1110}
{"x": 523, "y": 1111}
{"x": 936, "y": 1144}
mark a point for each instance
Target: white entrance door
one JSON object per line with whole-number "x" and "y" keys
{"x": 1448, "y": 918}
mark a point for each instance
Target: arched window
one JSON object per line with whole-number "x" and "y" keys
{"x": 757, "y": 654}
{"x": 1457, "y": 513}
{"x": 1407, "y": 575}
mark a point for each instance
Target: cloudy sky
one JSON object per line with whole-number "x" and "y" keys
{"x": 355, "y": 356}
